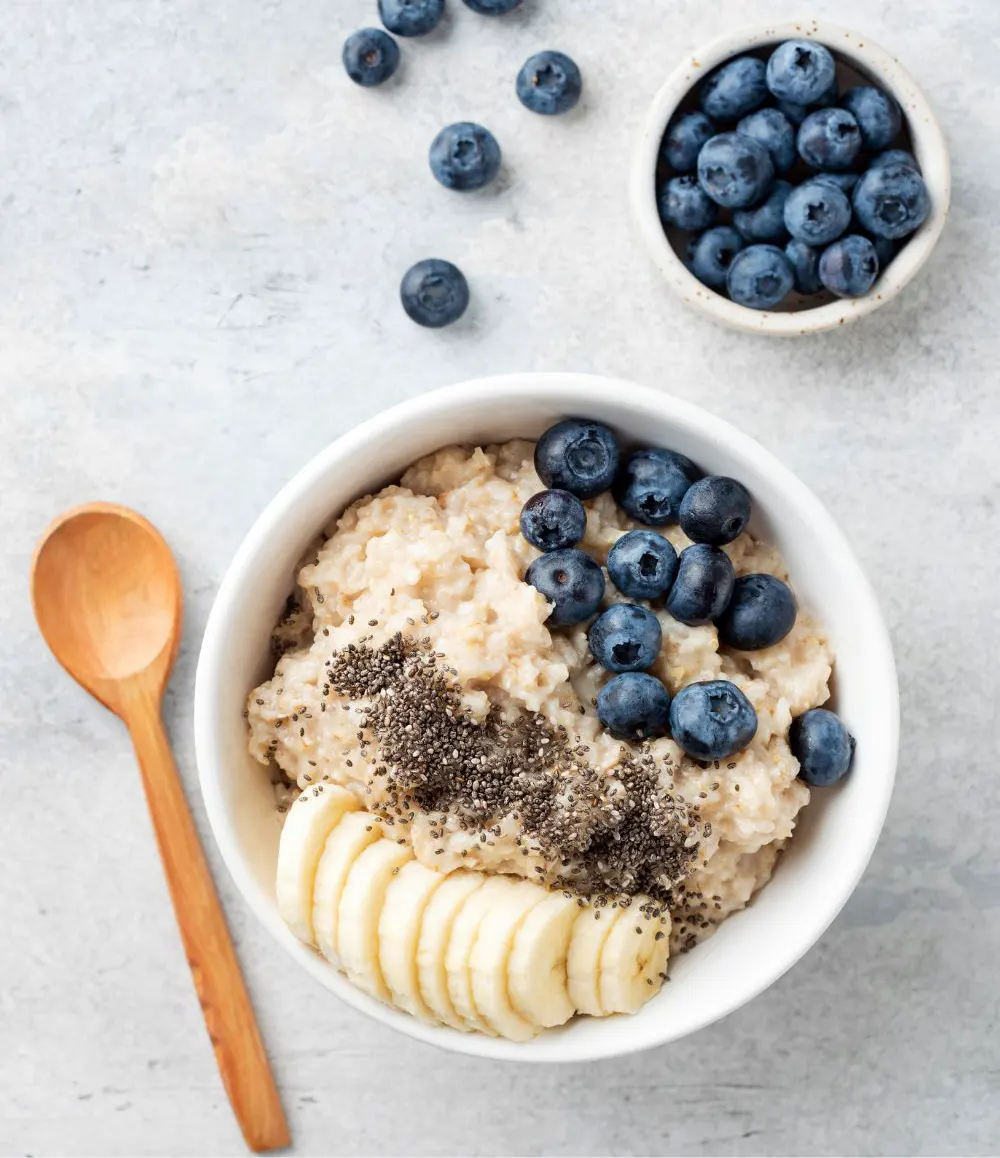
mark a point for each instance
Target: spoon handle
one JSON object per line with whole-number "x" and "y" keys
{"x": 217, "y": 978}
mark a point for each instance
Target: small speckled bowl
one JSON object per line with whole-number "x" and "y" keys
{"x": 858, "y": 60}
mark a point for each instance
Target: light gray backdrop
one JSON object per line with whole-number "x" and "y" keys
{"x": 203, "y": 227}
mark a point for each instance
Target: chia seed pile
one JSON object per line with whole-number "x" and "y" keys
{"x": 604, "y": 836}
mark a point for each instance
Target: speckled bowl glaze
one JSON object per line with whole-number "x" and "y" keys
{"x": 835, "y": 834}
{"x": 856, "y": 53}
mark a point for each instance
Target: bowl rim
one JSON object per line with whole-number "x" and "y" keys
{"x": 929, "y": 145}
{"x": 576, "y": 389}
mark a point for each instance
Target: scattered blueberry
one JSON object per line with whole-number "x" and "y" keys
{"x": 370, "y": 56}
{"x": 894, "y": 157}
{"x": 685, "y": 205}
{"x": 849, "y": 267}
{"x": 879, "y": 117}
{"x": 434, "y": 293}
{"x": 712, "y": 720}
{"x": 651, "y": 485}
{"x": 710, "y": 255}
{"x": 760, "y": 614}
{"x": 797, "y": 113}
{"x": 775, "y": 132}
{"x": 817, "y": 212}
{"x": 703, "y": 586}
{"x": 642, "y": 564}
{"x": 891, "y": 201}
{"x": 492, "y": 7}
{"x": 625, "y": 638}
{"x": 715, "y": 510}
{"x": 552, "y": 520}
{"x": 634, "y": 706}
{"x": 549, "y": 83}
{"x": 823, "y": 747}
{"x": 801, "y": 71}
{"x": 683, "y": 141}
{"x": 735, "y": 171}
{"x": 760, "y": 277}
{"x": 465, "y": 156}
{"x": 735, "y": 89}
{"x": 577, "y": 456}
{"x": 411, "y": 17}
{"x": 805, "y": 266}
{"x": 766, "y": 221}
{"x": 829, "y": 139}
{"x": 571, "y": 581}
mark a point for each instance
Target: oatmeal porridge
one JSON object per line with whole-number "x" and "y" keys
{"x": 422, "y": 685}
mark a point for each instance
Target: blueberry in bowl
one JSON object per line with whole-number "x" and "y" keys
{"x": 834, "y": 111}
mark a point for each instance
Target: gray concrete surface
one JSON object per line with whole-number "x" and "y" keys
{"x": 203, "y": 227}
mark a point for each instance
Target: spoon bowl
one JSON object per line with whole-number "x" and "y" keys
{"x": 107, "y": 597}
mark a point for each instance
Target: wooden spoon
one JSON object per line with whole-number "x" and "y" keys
{"x": 107, "y": 598}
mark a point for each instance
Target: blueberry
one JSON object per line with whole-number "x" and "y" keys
{"x": 829, "y": 139}
{"x": 411, "y": 17}
{"x": 891, "y": 201}
{"x": 684, "y": 204}
{"x": 712, "y": 720}
{"x": 805, "y": 266}
{"x": 571, "y": 581}
{"x": 652, "y": 483}
{"x": 845, "y": 182}
{"x": 492, "y": 7}
{"x": 760, "y": 277}
{"x": 710, "y": 255}
{"x": 849, "y": 267}
{"x": 434, "y": 293}
{"x": 823, "y": 747}
{"x": 715, "y": 510}
{"x": 817, "y": 212}
{"x": 735, "y": 171}
{"x": 642, "y": 564}
{"x": 549, "y": 83}
{"x": 801, "y": 71}
{"x": 370, "y": 56}
{"x": 552, "y": 520}
{"x": 634, "y": 706}
{"x": 885, "y": 251}
{"x": 775, "y": 132}
{"x": 879, "y": 117}
{"x": 465, "y": 156}
{"x": 894, "y": 157}
{"x": 683, "y": 141}
{"x": 577, "y": 456}
{"x": 703, "y": 586}
{"x": 766, "y": 221}
{"x": 760, "y": 614}
{"x": 797, "y": 113}
{"x": 735, "y": 89}
{"x": 625, "y": 638}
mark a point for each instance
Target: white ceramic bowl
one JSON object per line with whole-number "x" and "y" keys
{"x": 860, "y": 60}
{"x": 837, "y": 832}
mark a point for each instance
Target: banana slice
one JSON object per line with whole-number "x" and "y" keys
{"x": 309, "y": 822}
{"x": 490, "y": 957}
{"x": 536, "y": 971}
{"x": 360, "y": 910}
{"x": 633, "y": 960}
{"x": 399, "y": 932}
{"x": 432, "y": 945}
{"x": 592, "y": 929}
{"x": 355, "y": 832}
{"x": 458, "y": 959}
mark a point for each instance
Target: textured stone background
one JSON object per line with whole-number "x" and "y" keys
{"x": 203, "y": 227}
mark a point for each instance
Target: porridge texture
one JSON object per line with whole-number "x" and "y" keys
{"x": 440, "y": 558}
